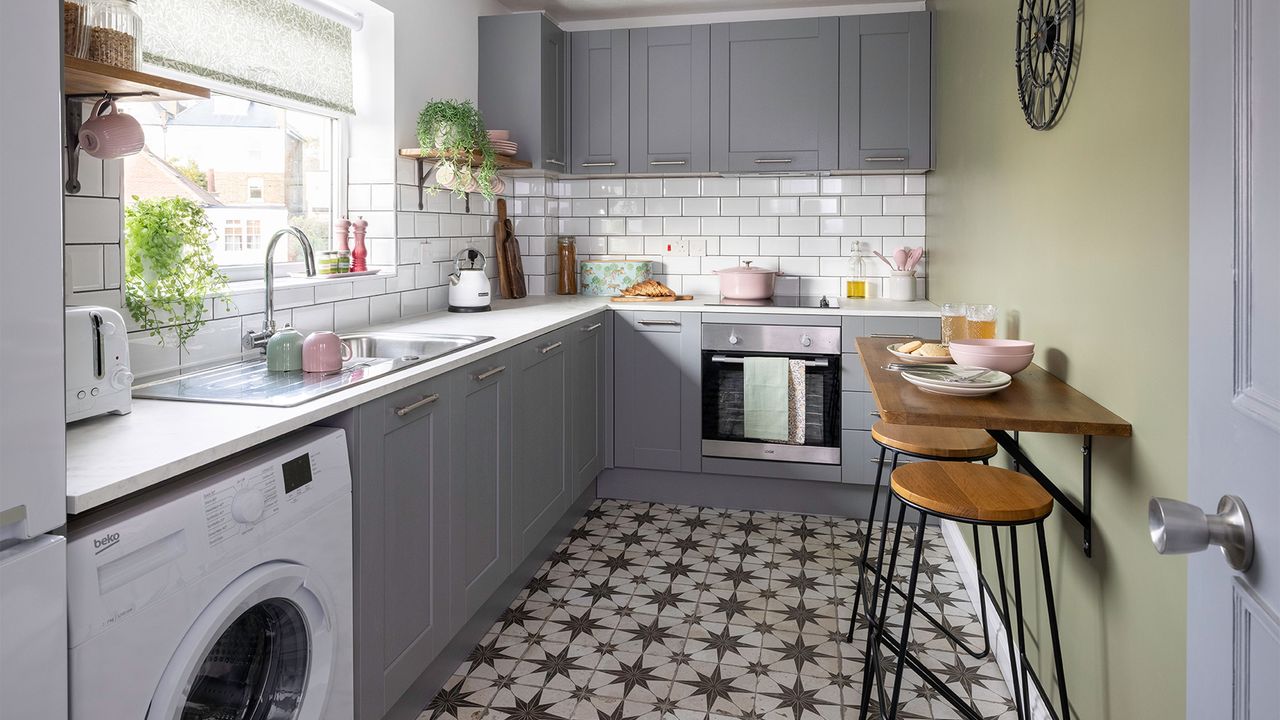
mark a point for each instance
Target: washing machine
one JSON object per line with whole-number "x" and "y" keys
{"x": 224, "y": 595}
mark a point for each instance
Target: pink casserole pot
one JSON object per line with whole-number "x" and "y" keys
{"x": 747, "y": 283}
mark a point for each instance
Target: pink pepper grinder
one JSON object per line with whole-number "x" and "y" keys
{"x": 342, "y": 233}
{"x": 359, "y": 253}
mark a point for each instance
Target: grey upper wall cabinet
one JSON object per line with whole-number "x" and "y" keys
{"x": 774, "y": 88}
{"x": 598, "y": 109}
{"x": 524, "y": 85}
{"x": 588, "y": 356}
{"x": 657, "y": 405}
{"x": 541, "y": 473}
{"x": 671, "y": 99}
{"x": 885, "y": 92}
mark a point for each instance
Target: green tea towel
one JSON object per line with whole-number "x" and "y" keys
{"x": 765, "y": 398}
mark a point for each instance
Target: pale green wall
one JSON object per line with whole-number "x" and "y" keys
{"x": 1079, "y": 234}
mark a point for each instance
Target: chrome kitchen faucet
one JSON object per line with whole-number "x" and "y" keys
{"x": 259, "y": 339}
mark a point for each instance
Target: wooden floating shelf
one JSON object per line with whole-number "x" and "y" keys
{"x": 86, "y": 78}
{"x": 502, "y": 161}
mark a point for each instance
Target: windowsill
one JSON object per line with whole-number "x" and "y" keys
{"x": 249, "y": 286}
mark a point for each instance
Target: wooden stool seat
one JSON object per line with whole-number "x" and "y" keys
{"x": 936, "y": 442}
{"x": 977, "y": 493}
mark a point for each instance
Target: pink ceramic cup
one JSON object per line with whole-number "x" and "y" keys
{"x": 109, "y": 133}
{"x": 324, "y": 352}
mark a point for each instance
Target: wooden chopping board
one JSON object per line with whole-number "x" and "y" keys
{"x": 642, "y": 298}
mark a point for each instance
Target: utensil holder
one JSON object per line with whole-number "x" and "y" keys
{"x": 901, "y": 285}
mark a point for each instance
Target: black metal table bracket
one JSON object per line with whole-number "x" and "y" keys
{"x": 1082, "y": 513}
{"x": 424, "y": 173}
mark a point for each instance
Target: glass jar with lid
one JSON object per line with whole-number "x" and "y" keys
{"x": 114, "y": 33}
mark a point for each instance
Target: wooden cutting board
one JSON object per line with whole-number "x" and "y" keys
{"x": 499, "y": 248}
{"x": 641, "y": 298}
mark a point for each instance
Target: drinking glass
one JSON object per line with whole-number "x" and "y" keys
{"x": 953, "y": 322}
{"x": 981, "y": 321}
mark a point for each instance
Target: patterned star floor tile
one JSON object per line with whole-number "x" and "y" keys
{"x": 649, "y": 611}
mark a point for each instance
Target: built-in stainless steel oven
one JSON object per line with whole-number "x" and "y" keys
{"x": 814, "y": 400}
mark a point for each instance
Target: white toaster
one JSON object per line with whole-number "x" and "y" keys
{"x": 97, "y": 355}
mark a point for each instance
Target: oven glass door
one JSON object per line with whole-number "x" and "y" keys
{"x": 723, "y": 431}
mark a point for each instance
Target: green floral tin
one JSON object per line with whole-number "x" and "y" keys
{"x": 610, "y": 277}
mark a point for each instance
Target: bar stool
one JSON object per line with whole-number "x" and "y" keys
{"x": 922, "y": 443}
{"x": 981, "y": 496}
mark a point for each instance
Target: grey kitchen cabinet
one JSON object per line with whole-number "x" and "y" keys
{"x": 481, "y": 481}
{"x": 588, "y": 356}
{"x": 404, "y": 614}
{"x": 540, "y": 440}
{"x": 657, "y": 403}
{"x": 885, "y": 92}
{"x": 671, "y": 99}
{"x": 774, "y": 95}
{"x": 598, "y": 118}
{"x": 524, "y": 85}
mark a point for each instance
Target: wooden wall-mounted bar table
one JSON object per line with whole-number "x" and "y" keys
{"x": 1035, "y": 402}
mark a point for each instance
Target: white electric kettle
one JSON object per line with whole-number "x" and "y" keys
{"x": 468, "y": 285}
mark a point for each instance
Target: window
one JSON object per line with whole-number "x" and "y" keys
{"x": 254, "y": 166}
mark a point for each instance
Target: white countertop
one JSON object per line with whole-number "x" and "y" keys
{"x": 111, "y": 456}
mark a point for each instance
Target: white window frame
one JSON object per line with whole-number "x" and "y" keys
{"x": 338, "y": 172}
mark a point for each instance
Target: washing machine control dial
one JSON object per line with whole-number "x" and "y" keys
{"x": 248, "y": 506}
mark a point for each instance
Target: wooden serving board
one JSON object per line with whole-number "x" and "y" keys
{"x": 641, "y": 298}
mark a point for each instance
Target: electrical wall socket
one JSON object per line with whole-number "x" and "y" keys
{"x": 675, "y": 246}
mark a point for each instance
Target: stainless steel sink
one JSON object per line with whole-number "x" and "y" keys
{"x": 250, "y": 383}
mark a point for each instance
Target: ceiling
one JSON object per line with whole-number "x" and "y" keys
{"x": 577, "y": 10}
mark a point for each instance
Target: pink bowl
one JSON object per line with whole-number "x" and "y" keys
{"x": 499, "y": 134}
{"x": 997, "y": 347}
{"x": 1012, "y": 364}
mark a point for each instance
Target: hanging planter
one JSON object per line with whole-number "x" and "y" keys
{"x": 454, "y": 132}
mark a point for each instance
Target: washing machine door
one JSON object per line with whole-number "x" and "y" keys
{"x": 262, "y": 650}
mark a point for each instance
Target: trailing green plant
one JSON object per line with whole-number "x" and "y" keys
{"x": 454, "y": 129}
{"x": 169, "y": 266}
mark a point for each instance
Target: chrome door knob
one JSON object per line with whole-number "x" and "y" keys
{"x": 1178, "y": 528}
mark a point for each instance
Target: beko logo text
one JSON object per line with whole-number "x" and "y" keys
{"x": 104, "y": 542}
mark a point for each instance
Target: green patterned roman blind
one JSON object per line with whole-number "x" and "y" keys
{"x": 271, "y": 46}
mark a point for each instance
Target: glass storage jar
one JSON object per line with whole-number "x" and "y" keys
{"x": 114, "y": 35}
{"x": 75, "y": 27}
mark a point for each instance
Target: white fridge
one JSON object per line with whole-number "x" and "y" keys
{"x": 33, "y": 486}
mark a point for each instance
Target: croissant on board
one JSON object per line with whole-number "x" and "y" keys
{"x": 648, "y": 288}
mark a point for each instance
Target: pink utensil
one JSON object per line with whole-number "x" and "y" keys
{"x": 913, "y": 257}
{"x": 885, "y": 259}
{"x": 900, "y": 258}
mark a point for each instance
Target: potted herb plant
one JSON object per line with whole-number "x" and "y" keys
{"x": 454, "y": 131}
{"x": 169, "y": 267}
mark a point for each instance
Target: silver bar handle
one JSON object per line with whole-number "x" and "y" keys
{"x": 892, "y": 336}
{"x": 592, "y": 327}
{"x": 878, "y": 461}
{"x": 549, "y": 348}
{"x": 551, "y": 161}
{"x": 875, "y": 413}
{"x": 402, "y": 411}
{"x": 658, "y": 322}
{"x": 481, "y": 377}
{"x": 884, "y": 159}
{"x": 667, "y": 162}
{"x": 772, "y": 161}
{"x": 610, "y": 163}
{"x": 820, "y": 362}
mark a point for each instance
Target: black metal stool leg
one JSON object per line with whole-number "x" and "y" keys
{"x": 1053, "y": 620}
{"x": 875, "y": 621}
{"x": 866, "y": 545}
{"x": 1017, "y": 603}
{"x": 1004, "y": 605}
{"x": 982, "y": 600}
{"x": 906, "y": 622}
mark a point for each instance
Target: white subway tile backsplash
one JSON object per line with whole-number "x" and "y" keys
{"x": 333, "y": 290}
{"x": 779, "y": 246}
{"x": 656, "y": 207}
{"x": 819, "y": 246}
{"x": 779, "y": 205}
{"x": 758, "y": 186}
{"x": 842, "y": 186}
{"x": 904, "y": 205}
{"x": 680, "y": 226}
{"x": 83, "y": 268}
{"x": 798, "y": 186}
{"x": 627, "y": 206}
{"x": 589, "y": 208}
{"x": 758, "y": 226}
{"x": 740, "y": 206}
{"x": 384, "y": 308}
{"x": 575, "y": 188}
{"x": 681, "y": 187}
{"x": 711, "y": 264}
{"x": 610, "y": 226}
{"x": 819, "y": 206}
{"x": 351, "y": 315}
{"x": 91, "y": 220}
{"x": 612, "y": 187}
{"x": 913, "y": 184}
{"x": 644, "y": 187}
{"x": 840, "y": 226}
{"x": 112, "y": 266}
{"x": 720, "y": 226}
{"x": 913, "y": 226}
{"x": 702, "y": 206}
{"x": 575, "y": 226}
{"x": 719, "y": 187}
{"x": 882, "y": 185}
{"x": 862, "y": 205}
{"x": 413, "y": 302}
{"x": 740, "y": 245}
{"x": 315, "y": 318}
{"x": 887, "y": 225}
{"x": 625, "y": 245}
{"x": 112, "y": 171}
{"x": 799, "y": 266}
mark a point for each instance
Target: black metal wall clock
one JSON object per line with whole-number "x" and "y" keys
{"x": 1042, "y": 57}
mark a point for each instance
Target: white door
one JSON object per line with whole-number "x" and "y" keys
{"x": 1233, "y": 636}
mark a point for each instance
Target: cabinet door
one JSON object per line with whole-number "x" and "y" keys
{"x": 598, "y": 111}
{"x": 554, "y": 64}
{"x": 586, "y": 388}
{"x": 885, "y": 91}
{"x": 657, "y": 407}
{"x": 481, "y": 481}
{"x": 541, "y": 440}
{"x": 671, "y": 99}
{"x": 773, "y": 95}
{"x": 402, "y": 528}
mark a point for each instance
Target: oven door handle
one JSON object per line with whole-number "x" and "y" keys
{"x": 820, "y": 362}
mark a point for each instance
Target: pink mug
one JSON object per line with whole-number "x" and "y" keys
{"x": 324, "y": 352}
{"x": 109, "y": 133}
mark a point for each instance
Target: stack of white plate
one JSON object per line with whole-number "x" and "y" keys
{"x": 962, "y": 381}
{"x": 502, "y": 143}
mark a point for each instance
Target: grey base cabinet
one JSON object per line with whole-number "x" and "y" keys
{"x": 657, "y": 413}
{"x": 587, "y": 357}
{"x": 481, "y": 481}
{"x": 541, "y": 419}
{"x": 885, "y": 92}
{"x": 401, "y": 506}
